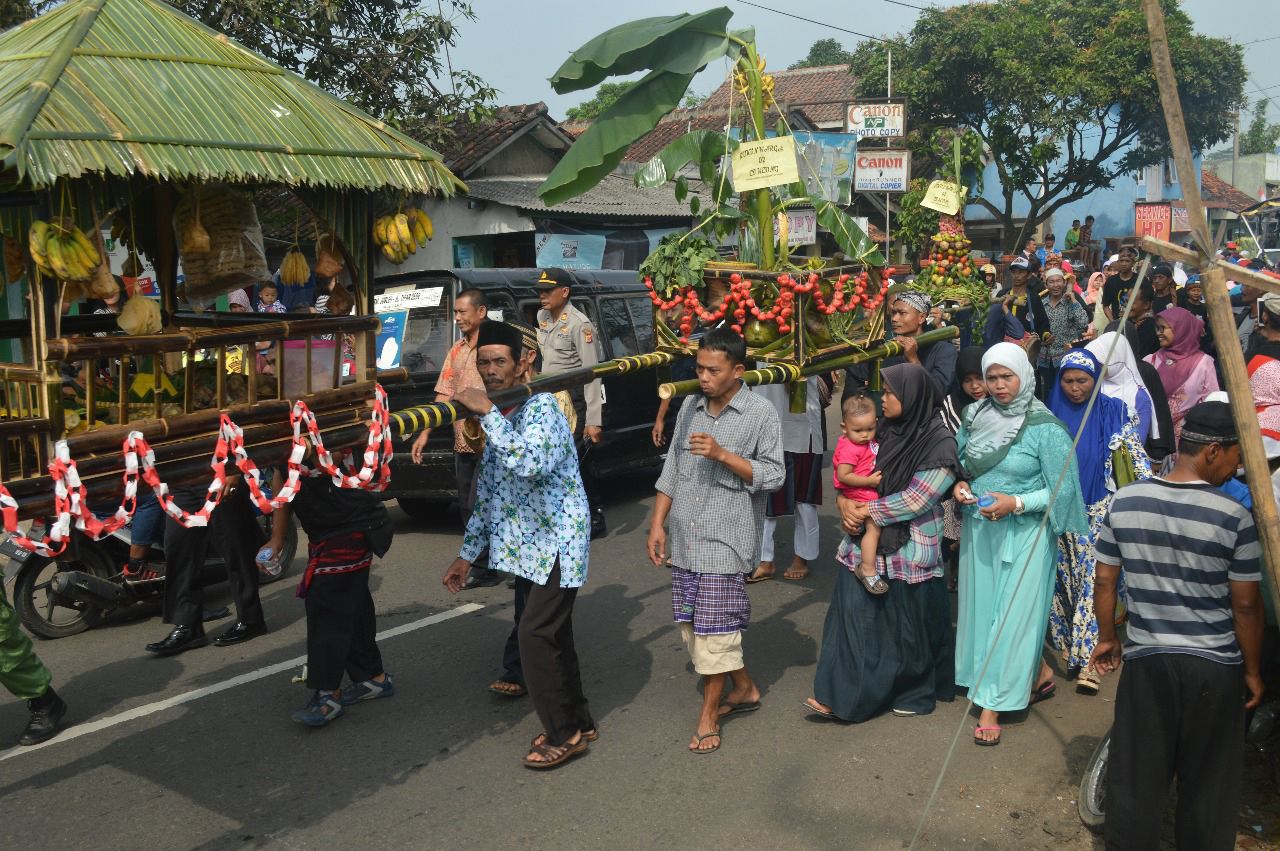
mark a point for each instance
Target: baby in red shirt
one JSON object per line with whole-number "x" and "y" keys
{"x": 856, "y": 477}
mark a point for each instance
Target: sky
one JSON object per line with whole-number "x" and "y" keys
{"x": 515, "y": 45}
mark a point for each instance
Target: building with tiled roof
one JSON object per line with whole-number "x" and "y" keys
{"x": 1218, "y": 194}
{"x": 820, "y": 93}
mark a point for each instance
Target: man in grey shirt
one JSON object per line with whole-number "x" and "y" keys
{"x": 725, "y": 458}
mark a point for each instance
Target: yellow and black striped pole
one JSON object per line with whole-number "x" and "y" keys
{"x": 436, "y": 414}
{"x": 785, "y": 373}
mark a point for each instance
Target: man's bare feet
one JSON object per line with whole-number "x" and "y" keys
{"x": 707, "y": 737}
{"x": 764, "y": 571}
{"x": 507, "y": 689}
{"x": 799, "y": 569}
{"x": 989, "y": 719}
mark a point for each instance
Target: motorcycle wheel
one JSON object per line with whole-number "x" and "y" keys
{"x": 1092, "y": 800}
{"x": 287, "y": 552}
{"x": 47, "y": 615}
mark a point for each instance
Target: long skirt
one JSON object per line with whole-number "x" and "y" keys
{"x": 803, "y": 483}
{"x": 893, "y": 651}
{"x": 1006, "y": 583}
{"x": 1073, "y": 628}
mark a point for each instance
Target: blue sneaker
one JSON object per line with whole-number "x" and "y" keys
{"x": 322, "y": 709}
{"x": 367, "y": 690}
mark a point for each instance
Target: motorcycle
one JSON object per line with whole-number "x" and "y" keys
{"x": 56, "y": 598}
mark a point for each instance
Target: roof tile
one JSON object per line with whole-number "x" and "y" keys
{"x": 473, "y": 142}
{"x": 822, "y": 91}
{"x": 1216, "y": 192}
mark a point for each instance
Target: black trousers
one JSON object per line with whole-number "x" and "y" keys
{"x": 1180, "y": 716}
{"x": 551, "y": 662}
{"x": 234, "y": 534}
{"x": 465, "y": 466}
{"x": 512, "y": 670}
{"x": 341, "y": 630}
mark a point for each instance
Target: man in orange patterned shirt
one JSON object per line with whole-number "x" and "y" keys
{"x": 470, "y": 308}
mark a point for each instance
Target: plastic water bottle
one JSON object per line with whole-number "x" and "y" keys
{"x": 269, "y": 561}
{"x": 986, "y": 501}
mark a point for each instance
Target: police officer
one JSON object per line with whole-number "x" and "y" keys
{"x": 567, "y": 340}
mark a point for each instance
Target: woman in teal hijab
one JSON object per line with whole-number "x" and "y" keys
{"x": 1016, "y": 455}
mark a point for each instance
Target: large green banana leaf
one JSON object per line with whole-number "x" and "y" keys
{"x": 852, "y": 241}
{"x": 680, "y": 44}
{"x": 700, "y": 146}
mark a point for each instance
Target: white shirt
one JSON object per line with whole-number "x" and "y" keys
{"x": 800, "y": 432}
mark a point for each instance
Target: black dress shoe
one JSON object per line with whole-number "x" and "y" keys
{"x": 214, "y": 614}
{"x": 182, "y": 638}
{"x": 483, "y": 579}
{"x": 598, "y": 528}
{"x": 240, "y": 632}
{"x": 46, "y": 718}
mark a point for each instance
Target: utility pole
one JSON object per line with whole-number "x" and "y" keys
{"x": 1235, "y": 150}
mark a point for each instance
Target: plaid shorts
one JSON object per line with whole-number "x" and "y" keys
{"x": 712, "y": 602}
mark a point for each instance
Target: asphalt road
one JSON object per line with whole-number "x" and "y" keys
{"x": 178, "y": 753}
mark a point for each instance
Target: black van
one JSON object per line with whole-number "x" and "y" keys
{"x": 617, "y": 304}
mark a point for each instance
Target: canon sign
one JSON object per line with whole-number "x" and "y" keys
{"x": 882, "y": 171}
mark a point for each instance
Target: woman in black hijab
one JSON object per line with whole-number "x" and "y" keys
{"x": 895, "y": 651}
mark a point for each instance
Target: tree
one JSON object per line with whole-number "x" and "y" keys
{"x": 606, "y": 95}
{"x": 383, "y": 56}
{"x": 824, "y": 51}
{"x": 1261, "y": 137}
{"x": 1061, "y": 92}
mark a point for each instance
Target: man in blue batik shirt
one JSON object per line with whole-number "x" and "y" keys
{"x": 531, "y": 512}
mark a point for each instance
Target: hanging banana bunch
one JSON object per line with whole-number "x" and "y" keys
{"x": 403, "y": 233}
{"x": 294, "y": 269}
{"x": 61, "y": 250}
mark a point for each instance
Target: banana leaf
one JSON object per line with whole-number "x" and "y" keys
{"x": 680, "y": 44}
{"x": 852, "y": 241}
{"x": 602, "y": 145}
{"x": 700, "y": 146}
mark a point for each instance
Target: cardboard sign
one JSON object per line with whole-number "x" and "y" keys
{"x": 769, "y": 162}
{"x": 943, "y": 196}
{"x": 1152, "y": 220}
{"x": 882, "y": 171}
{"x": 407, "y": 299}
{"x": 876, "y": 120}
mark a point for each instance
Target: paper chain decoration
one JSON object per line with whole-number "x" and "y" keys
{"x": 70, "y": 496}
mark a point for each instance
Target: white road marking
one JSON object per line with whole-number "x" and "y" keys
{"x": 79, "y": 730}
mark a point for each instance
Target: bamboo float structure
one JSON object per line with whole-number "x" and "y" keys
{"x": 1218, "y": 304}
{"x": 438, "y": 414}
{"x": 785, "y": 373}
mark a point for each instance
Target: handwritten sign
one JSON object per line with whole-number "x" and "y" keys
{"x": 769, "y": 162}
{"x": 882, "y": 171}
{"x": 943, "y": 196}
{"x": 407, "y": 299}
{"x": 876, "y": 120}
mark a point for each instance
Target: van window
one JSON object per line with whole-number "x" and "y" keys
{"x": 428, "y": 334}
{"x": 618, "y": 327}
{"x": 642, "y": 319}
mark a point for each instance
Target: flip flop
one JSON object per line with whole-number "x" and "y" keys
{"x": 589, "y": 736}
{"x": 519, "y": 692}
{"x": 1046, "y": 691}
{"x": 983, "y": 742}
{"x": 736, "y": 708}
{"x": 554, "y": 756}
{"x": 700, "y": 737}
{"x": 816, "y": 711}
{"x": 752, "y": 579}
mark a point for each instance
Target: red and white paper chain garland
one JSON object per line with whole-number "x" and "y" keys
{"x": 70, "y": 495}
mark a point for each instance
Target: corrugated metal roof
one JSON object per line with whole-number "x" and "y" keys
{"x": 615, "y": 197}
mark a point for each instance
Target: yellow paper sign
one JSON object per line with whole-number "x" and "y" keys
{"x": 942, "y": 196}
{"x": 769, "y": 162}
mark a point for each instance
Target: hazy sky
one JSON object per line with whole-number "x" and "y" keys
{"x": 515, "y": 45}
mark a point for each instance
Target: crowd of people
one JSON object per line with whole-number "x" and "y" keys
{"x": 1055, "y": 478}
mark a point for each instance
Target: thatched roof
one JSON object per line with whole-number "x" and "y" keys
{"x": 134, "y": 86}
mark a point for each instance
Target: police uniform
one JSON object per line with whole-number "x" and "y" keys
{"x": 569, "y": 342}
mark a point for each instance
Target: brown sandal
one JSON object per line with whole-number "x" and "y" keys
{"x": 874, "y": 584}
{"x": 553, "y": 756}
{"x": 589, "y": 736}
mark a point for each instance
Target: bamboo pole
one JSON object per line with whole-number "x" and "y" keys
{"x": 1241, "y": 274}
{"x": 70, "y": 348}
{"x": 779, "y": 373}
{"x": 1221, "y": 320}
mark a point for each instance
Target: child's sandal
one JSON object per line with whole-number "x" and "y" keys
{"x": 874, "y": 584}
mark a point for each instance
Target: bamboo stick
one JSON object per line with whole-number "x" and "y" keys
{"x": 1218, "y": 302}
{"x": 779, "y": 373}
{"x": 71, "y": 348}
{"x": 1241, "y": 274}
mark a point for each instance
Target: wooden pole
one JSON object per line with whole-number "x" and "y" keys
{"x": 1218, "y": 302}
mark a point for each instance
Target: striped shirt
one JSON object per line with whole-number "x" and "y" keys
{"x": 715, "y": 517}
{"x": 921, "y": 503}
{"x": 1180, "y": 545}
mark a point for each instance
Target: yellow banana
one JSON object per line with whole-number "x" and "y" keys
{"x": 36, "y": 239}
{"x": 380, "y": 230}
{"x": 57, "y": 261}
{"x": 88, "y": 251}
{"x": 428, "y": 229}
{"x": 389, "y": 253}
{"x": 402, "y": 228}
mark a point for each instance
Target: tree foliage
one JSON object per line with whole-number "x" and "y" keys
{"x": 1261, "y": 137}
{"x": 824, "y": 51}
{"x": 606, "y": 95}
{"x": 386, "y": 57}
{"x": 1061, "y": 92}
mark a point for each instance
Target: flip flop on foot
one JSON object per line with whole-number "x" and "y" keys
{"x": 507, "y": 689}
{"x": 589, "y": 736}
{"x": 696, "y": 746}
{"x": 817, "y": 708}
{"x": 1044, "y": 692}
{"x": 986, "y": 743}
{"x": 553, "y": 756}
{"x": 736, "y": 708}
{"x": 760, "y": 574}
{"x": 873, "y": 583}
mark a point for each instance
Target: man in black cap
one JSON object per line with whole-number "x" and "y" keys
{"x": 1162, "y": 286}
{"x": 531, "y": 514}
{"x": 1191, "y": 559}
{"x": 567, "y": 340}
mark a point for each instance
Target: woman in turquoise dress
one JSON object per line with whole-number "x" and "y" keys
{"x": 1014, "y": 451}
{"x": 1109, "y": 431}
